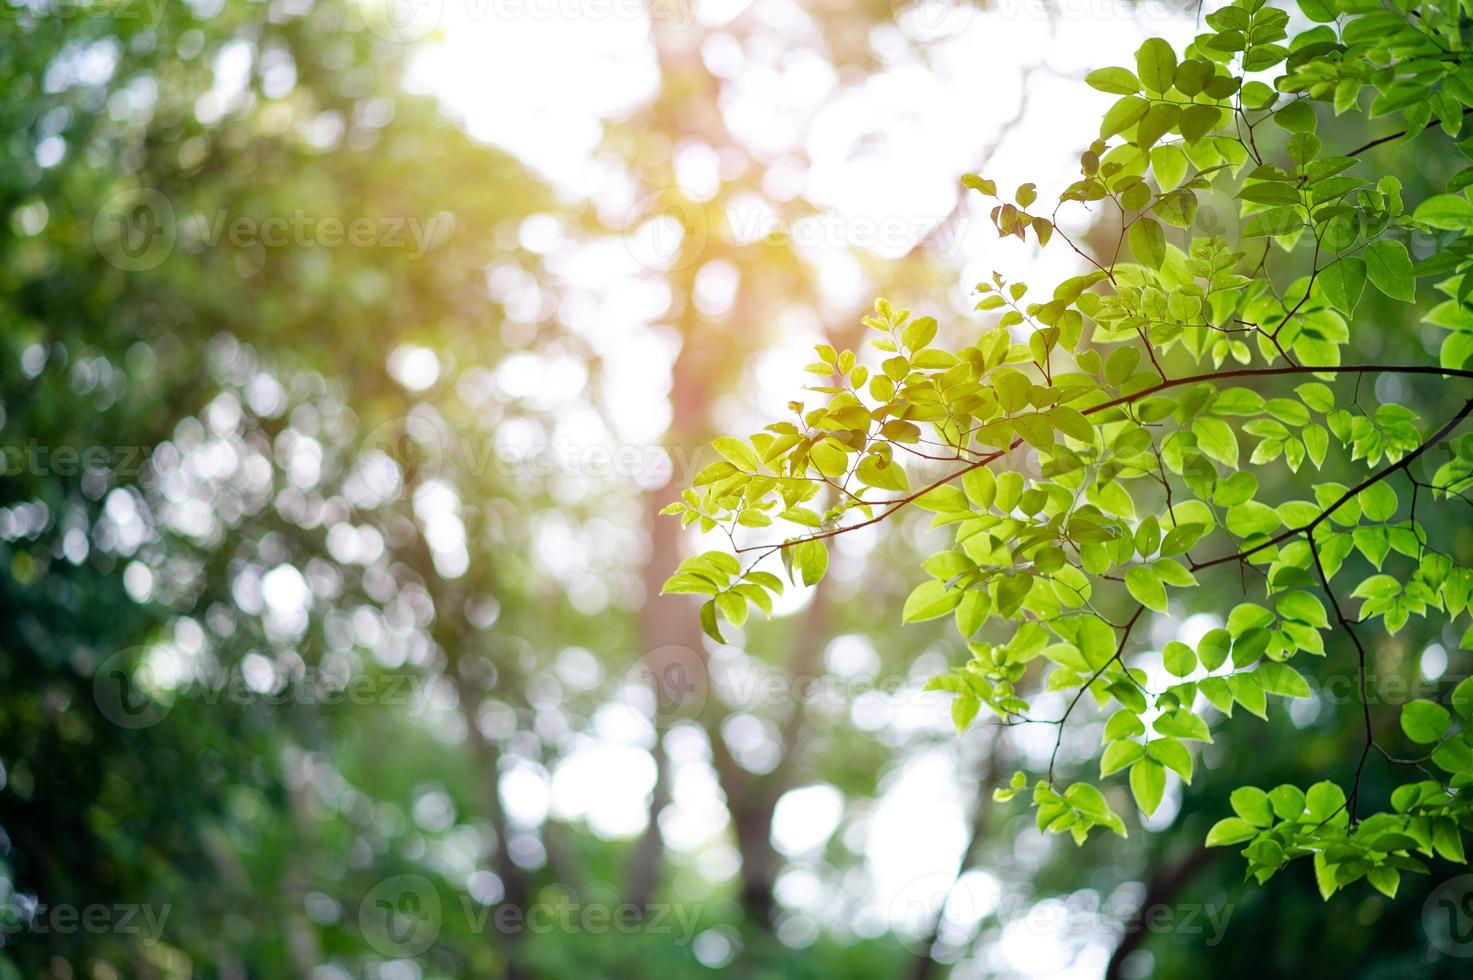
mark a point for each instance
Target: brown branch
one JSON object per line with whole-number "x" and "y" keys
{"x": 1360, "y": 650}
{"x": 1392, "y": 136}
{"x": 894, "y": 505}
{"x": 1119, "y": 652}
{"x": 1381, "y": 474}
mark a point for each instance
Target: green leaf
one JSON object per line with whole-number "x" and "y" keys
{"x": 1248, "y": 691}
{"x": 829, "y": 458}
{"x": 1252, "y": 804}
{"x": 1296, "y": 117}
{"x": 1169, "y": 164}
{"x": 1115, "y": 81}
{"x": 929, "y": 600}
{"x": 1124, "y": 114}
{"x": 980, "y": 487}
{"x": 1462, "y": 699}
{"x": 1213, "y": 649}
{"x": 1424, "y": 721}
{"x": 1155, "y": 64}
{"x": 1303, "y": 607}
{"x": 733, "y": 606}
{"x": 1118, "y": 755}
{"x": 963, "y": 710}
{"x": 1251, "y": 518}
{"x": 1283, "y": 680}
{"x": 1181, "y": 723}
{"x": 1179, "y": 659}
{"x": 1343, "y": 282}
{"x": 1217, "y": 439}
{"x": 1148, "y": 783}
{"x": 1385, "y": 879}
{"x": 1288, "y": 802}
{"x": 1390, "y": 269}
{"x": 1247, "y": 616}
{"x": 918, "y": 333}
{"x": 1323, "y": 800}
{"x": 1447, "y": 840}
{"x": 1144, "y": 584}
{"x": 737, "y": 453}
{"x": 811, "y": 558}
{"x": 1148, "y": 242}
{"x": 1230, "y": 830}
{"x": 1451, "y": 212}
{"x": 882, "y": 474}
{"x": 1173, "y": 755}
{"x": 1123, "y": 724}
{"x": 708, "y": 621}
{"x": 1197, "y": 121}
{"x": 980, "y": 184}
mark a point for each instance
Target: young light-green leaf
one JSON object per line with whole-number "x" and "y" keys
{"x": 1389, "y": 267}
{"x": 1148, "y": 783}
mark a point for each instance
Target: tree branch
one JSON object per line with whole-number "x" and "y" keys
{"x": 1119, "y": 652}
{"x": 1360, "y": 650}
{"x": 893, "y": 506}
{"x": 1447, "y": 429}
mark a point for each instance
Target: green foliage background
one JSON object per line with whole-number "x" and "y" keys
{"x": 264, "y": 827}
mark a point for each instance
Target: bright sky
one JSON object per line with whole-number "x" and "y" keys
{"x": 539, "y": 77}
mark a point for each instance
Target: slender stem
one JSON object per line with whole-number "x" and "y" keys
{"x": 1119, "y": 652}
{"x": 1447, "y": 429}
{"x": 1266, "y": 372}
{"x": 1365, "y": 701}
{"x": 1389, "y": 137}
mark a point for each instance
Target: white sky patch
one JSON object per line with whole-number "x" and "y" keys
{"x": 805, "y": 818}
{"x": 540, "y": 85}
{"x": 606, "y": 784}
{"x": 917, "y": 828}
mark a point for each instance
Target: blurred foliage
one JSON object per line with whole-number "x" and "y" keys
{"x": 284, "y": 664}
